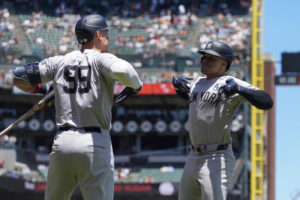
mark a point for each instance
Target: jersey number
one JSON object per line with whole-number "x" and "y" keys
{"x": 77, "y": 77}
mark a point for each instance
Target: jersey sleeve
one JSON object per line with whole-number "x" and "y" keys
{"x": 48, "y": 67}
{"x": 120, "y": 70}
{"x": 246, "y": 85}
{"x": 194, "y": 83}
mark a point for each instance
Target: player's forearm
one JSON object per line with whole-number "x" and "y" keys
{"x": 130, "y": 81}
{"x": 258, "y": 98}
{"x": 24, "y": 85}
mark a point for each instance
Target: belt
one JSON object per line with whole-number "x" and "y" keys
{"x": 87, "y": 129}
{"x": 209, "y": 147}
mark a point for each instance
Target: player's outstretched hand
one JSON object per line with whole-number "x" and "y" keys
{"x": 182, "y": 86}
{"x": 126, "y": 92}
{"x": 230, "y": 88}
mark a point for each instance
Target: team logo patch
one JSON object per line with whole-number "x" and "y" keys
{"x": 208, "y": 46}
{"x": 217, "y": 86}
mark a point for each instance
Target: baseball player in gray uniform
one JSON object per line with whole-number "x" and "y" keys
{"x": 213, "y": 101}
{"x": 83, "y": 83}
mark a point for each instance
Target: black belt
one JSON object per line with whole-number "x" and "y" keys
{"x": 87, "y": 129}
{"x": 207, "y": 148}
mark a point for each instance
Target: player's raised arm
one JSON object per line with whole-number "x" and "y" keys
{"x": 256, "y": 97}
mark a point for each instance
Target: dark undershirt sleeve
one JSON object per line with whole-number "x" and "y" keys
{"x": 258, "y": 98}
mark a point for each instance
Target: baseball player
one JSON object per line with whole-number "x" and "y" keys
{"x": 213, "y": 101}
{"x": 83, "y": 83}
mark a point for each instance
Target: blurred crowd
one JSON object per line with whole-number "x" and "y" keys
{"x": 154, "y": 29}
{"x": 8, "y": 42}
{"x": 54, "y": 35}
{"x": 234, "y": 31}
{"x": 162, "y": 34}
{"x": 136, "y": 8}
{"x": 149, "y": 34}
{"x": 167, "y": 24}
{"x": 5, "y": 78}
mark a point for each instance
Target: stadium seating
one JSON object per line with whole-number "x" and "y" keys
{"x": 145, "y": 36}
{"x": 234, "y": 30}
{"x": 150, "y": 173}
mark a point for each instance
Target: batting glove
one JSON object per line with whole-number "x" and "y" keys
{"x": 182, "y": 86}
{"x": 126, "y": 92}
{"x": 230, "y": 88}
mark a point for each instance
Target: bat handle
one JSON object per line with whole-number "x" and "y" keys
{"x": 7, "y": 129}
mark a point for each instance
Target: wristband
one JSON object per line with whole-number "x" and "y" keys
{"x": 37, "y": 89}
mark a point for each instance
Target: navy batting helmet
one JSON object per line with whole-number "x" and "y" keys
{"x": 219, "y": 49}
{"x": 87, "y": 26}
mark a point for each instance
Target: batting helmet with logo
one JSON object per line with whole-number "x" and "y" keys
{"x": 219, "y": 49}
{"x": 87, "y": 26}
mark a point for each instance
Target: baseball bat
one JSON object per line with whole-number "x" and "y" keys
{"x": 46, "y": 99}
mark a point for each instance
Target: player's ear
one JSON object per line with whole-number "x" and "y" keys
{"x": 98, "y": 35}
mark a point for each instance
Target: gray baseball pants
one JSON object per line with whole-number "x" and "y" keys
{"x": 84, "y": 159}
{"x": 207, "y": 176}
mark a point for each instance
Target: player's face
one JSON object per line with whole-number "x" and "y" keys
{"x": 213, "y": 66}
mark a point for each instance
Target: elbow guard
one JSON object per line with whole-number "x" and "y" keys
{"x": 28, "y": 72}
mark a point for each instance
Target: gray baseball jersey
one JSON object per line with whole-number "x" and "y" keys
{"x": 210, "y": 112}
{"x": 83, "y": 86}
{"x": 85, "y": 83}
{"x": 207, "y": 175}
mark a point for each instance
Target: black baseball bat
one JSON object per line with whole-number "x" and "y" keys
{"x": 46, "y": 99}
